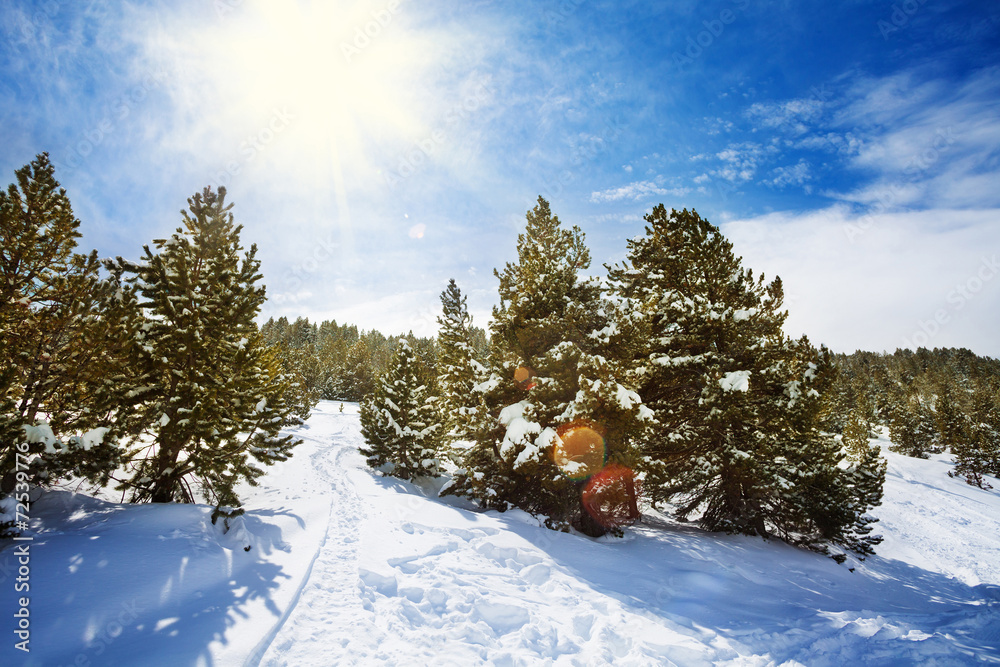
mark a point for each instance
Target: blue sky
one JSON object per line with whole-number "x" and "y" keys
{"x": 375, "y": 149}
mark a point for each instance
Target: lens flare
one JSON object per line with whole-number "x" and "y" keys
{"x": 611, "y": 496}
{"x": 579, "y": 449}
{"x": 524, "y": 377}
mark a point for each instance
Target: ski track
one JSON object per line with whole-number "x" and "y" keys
{"x": 325, "y": 593}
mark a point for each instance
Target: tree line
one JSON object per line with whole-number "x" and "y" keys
{"x": 667, "y": 380}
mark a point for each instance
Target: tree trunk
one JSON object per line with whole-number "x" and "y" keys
{"x": 165, "y": 484}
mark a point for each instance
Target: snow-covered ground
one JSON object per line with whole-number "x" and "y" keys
{"x": 351, "y": 568}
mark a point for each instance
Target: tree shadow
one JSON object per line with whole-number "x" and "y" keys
{"x": 91, "y": 603}
{"x": 749, "y": 589}
{"x": 768, "y": 596}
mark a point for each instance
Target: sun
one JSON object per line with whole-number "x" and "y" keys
{"x": 345, "y": 76}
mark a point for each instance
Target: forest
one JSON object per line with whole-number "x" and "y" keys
{"x": 665, "y": 380}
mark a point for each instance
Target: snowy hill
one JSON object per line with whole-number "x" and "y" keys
{"x": 351, "y": 568}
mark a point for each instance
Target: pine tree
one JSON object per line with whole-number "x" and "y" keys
{"x": 951, "y": 422}
{"x": 399, "y": 423}
{"x": 356, "y": 379}
{"x": 459, "y": 372}
{"x": 978, "y": 453}
{"x": 60, "y": 336}
{"x": 737, "y": 405}
{"x": 211, "y": 397}
{"x": 855, "y": 438}
{"x": 558, "y": 405}
{"x": 866, "y": 479}
{"x": 912, "y": 428}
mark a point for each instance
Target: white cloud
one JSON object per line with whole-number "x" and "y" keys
{"x": 636, "y": 191}
{"x": 877, "y": 282}
{"x": 742, "y": 160}
{"x": 797, "y": 174}
{"x": 793, "y": 116}
{"x": 923, "y": 140}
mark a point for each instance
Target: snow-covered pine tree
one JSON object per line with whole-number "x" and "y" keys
{"x": 399, "y": 422}
{"x": 949, "y": 417}
{"x": 365, "y": 360}
{"x": 60, "y": 336}
{"x": 211, "y": 397}
{"x": 912, "y": 428}
{"x": 737, "y": 404}
{"x": 865, "y": 481}
{"x": 458, "y": 369}
{"x": 558, "y": 404}
{"x": 978, "y": 453}
{"x": 855, "y": 438}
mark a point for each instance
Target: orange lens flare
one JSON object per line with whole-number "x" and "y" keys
{"x": 579, "y": 450}
{"x": 611, "y": 496}
{"x": 523, "y": 377}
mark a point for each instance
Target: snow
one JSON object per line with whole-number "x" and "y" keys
{"x": 626, "y": 398}
{"x": 518, "y": 431}
{"x": 41, "y": 433}
{"x": 735, "y": 381}
{"x": 512, "y": 412}
{"x": 533, "y": 450}
{"x": 93, "y": 437}
{"x": 487, "y": 385}
{"x": 349, "y": 567}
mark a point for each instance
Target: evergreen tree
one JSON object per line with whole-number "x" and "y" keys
{"x": 951, "y": 421}
{"x": 356, "y": 378}
{"x": 399, "y": 423}
{"x": 737, "y": 405}
{"x": 865, "y": 479}
{"x": 60, "y": 336}
{"x": 978, "y": 453}
{"x": 459, "y": 372}
{"x": 212, "y": 397}
{"x": 856, "y": 435}
{"x": 912, "y": 428}
{"x": 558, "y": 405}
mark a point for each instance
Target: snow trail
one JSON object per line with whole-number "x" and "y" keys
{"x": 326, "y": 616}
{"x": 327, "y": 565}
